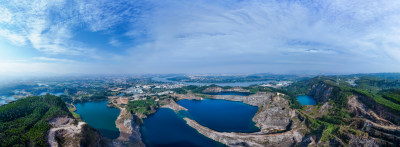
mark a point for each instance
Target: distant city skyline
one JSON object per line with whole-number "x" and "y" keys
{"x": 39, "y": 37}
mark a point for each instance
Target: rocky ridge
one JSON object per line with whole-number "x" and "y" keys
{"x": 381, "y": 125}
{"x": 321, "y": 92}
{"x": 380, "y": 130}
{"x": 220, "y": 89}
{"x": 67, "y": 131}
{"x": 128, "y": 125}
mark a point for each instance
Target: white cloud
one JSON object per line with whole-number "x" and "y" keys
{"x": 47, "y": 59}
{"x": 103, "y": 14}
{"x": 114, "y": 42}
{"x": 5, "y": 15}
{"x": 49, "y": 25}
{"x": 15, "y": 39}
{"x": 257, "y": 35}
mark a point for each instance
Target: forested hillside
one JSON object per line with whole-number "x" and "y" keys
{"x": 24, "y": 122}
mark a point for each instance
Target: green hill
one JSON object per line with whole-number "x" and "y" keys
{"x": 24, "y": 122}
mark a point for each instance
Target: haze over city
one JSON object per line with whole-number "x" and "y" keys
{"x": 255, "y": 36}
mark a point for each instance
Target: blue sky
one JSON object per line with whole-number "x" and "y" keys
{"x": 194, "y": 36}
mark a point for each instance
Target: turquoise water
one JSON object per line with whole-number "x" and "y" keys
{"x": 166, "y": 128}
{"x": 100, "y": 117}
{"x": 222, "y": 115}
{"x": 306, "y": 100}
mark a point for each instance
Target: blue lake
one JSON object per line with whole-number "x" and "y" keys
{"x": 306, "y": 100}
{"x": 222, "y": 115}
{"x": 166, "y": 128}
{"x": 100, "y": 117}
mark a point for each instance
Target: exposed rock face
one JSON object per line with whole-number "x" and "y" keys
{"x": 321, "y": 92}
{"x": 275, "y": 115}
{"x": 359, "y": 109}
{"x": 189, "y": 96}
{"x": 315, "y": 111}
{"x": 257, "y": 99}
{"x": 219, "y": 89}
{"x": 362, "y": 141}
{"x": 379, "y": 110}
{"x": 174, "y": 106}
{"x": 380, "y": 131}
{"x": 67, "y": 131}
{"x": 129, "y": 127}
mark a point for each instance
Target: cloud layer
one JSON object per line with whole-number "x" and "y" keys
{"x": 210, "y": 36}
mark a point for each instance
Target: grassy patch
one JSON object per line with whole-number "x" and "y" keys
{"x": 380, "y": 100}
{"x": 145, "y": 107}
{"x": 75, "y": 115}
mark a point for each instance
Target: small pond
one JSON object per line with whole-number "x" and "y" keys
{"x": 306, "y": 100}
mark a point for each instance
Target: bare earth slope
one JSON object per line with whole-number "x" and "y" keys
{"x": 67, "y": 131}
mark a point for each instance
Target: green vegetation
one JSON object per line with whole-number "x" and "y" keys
{"x": 380, "y": 100}
{"x": 254, "y": 89}
{"x": 96, "y": 96}
{"x": 24, "y": 122}
{"x": 376, "y": 83}
{"x": 75, "y": 115}
{"x": 339, "y": 123}
{"x": 330, "y": 126}
{"x": 391, "y": 94}
{"x": 195, "y": 89}
{"x": 145, "y": 107}
{"x": 294, "y": 103}
{"x": 179, "y": 91}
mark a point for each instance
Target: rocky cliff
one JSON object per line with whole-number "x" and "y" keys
{"x": 375, "y": 121}
{"x": 321, "y": 92}
{"x": 128, "y": 125}
{"x": 66, "y": 131}
{"x": 129, "y": 128}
